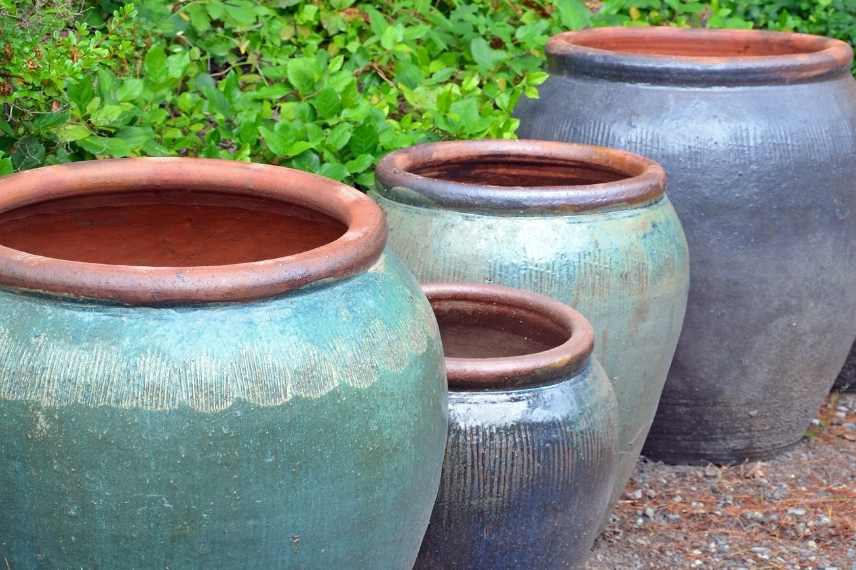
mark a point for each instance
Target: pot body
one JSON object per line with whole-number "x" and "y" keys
{"x": 265, "y": 434}
{"x": 527, "y": 476}
{"x": 846, "y": 381}
{"x": 625, "y": 270}
{"x": 762, "y": 176}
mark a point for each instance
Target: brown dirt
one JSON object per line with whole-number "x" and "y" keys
{"x": 795, "y": 512}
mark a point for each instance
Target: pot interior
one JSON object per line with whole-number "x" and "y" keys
{"x": 169, "y": 228}
{"x": 519, "y": 171}
{"x": 694, "y": 44}
{"x": 486, "y": 330}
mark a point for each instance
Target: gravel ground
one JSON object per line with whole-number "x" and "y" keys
{"x": 795, "y": 512}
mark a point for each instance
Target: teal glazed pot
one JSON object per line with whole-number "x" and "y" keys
{"x": 589, "y": 226}
{"x": 209, "y": 364}
{"x": 531, "y": 457}
{"x": 757, "y": 131}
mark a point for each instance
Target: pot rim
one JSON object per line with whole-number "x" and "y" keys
{"x": 645, "y": 180}
{"x": 356, "y": 250}
{"x": 516, "y": 372}
{"x": 811, "y": 58}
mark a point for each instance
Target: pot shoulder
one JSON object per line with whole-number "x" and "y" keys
{"x": 346, "y": 334}
{"x": 735, "y": 137}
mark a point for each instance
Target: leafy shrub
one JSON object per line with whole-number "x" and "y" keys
{"x": 326, "y": 86}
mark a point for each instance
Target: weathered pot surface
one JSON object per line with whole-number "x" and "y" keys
{"x": 846, "y": 381}
{"x": 586, "y": 225}
{"x": 203, "y": 366}
{"x": 757, "y": 131}
{"x": 531, "y": 456}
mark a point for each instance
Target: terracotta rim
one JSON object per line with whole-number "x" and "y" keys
{"x": 516, "y": 371}
{"x": 787, "y": 57}
{"x": 357, "y": 249}
{"x": 645, "y": 180}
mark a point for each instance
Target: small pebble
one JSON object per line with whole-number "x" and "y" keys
{"x": 796, "y": 512}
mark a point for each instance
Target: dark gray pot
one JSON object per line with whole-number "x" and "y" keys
{"x": 760, "y": 154}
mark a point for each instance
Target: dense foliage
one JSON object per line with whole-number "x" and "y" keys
{"x": 324, "y": 85}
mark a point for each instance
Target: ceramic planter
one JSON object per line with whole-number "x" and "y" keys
{"x": 588, "y": 226}
{"x": 757, "y": 131}
{"x": 204, "y": 364}
{"x": 531, "y": 456}
{"x": 846, "y": 381}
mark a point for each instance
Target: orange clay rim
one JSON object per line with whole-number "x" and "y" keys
{"x": 698, "y": 56}
{"x": 357, "y": 249}
{"x": 644, "y": 181}
{"x": 557, "y": 363}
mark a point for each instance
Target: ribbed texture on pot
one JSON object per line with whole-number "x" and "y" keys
{"x": 527, "y": 477}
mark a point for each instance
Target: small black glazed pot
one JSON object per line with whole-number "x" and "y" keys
{"x": 531, "y": 455}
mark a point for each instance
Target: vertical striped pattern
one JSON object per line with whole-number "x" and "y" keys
{"x": 527, "y": 477}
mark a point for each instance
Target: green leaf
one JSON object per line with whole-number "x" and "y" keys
{"x": 130, "y": 90}
{"x": 136, "y": 137}
{"x": 80, "y": 92}
{"x": 573, "y": 14}
{"x": 154, "y": 65}
{"x": 71, "y": 132}
{"x": 28, "y": 152}
{"x": 485, "y": 56}
{"x": 340, "y": 135}
{"x": 391, "y": 36}
{"x": 107, "y": 86}
{"x": 177, "y": 63}
{"x": 334, "y": 170}
{"x": 50, "y": 120}
{"x": 199, "y": 18}
{"x": 307, "y": 161}
{"x": 360, "y": 163}
{"x": 364, "y": 140}
{"x": 327, "y": 103}
{"x": 303, "y": 73}
{"x": 6, "y": 128}
{"x": 282, "y": 145}
{"x": 215, "y": 9}
{"x": 241, "y": 13}
{"x": 467, "y": 110}
{"x": 105, "y": 146}
{"x": 6, "y": 166}
{"x": 106, "y": 115}
{"x": 298, "y": 147}
{"x": 216, "y": 99}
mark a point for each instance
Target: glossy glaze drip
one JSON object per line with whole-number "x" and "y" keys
{"x": 166, "y": 229}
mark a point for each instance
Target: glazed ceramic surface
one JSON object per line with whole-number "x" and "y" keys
{"x": 531, "y": 455}
{"x": 232, "y": 416}
{"x": 587, "y": 226}
{"x": 757, "y": 132}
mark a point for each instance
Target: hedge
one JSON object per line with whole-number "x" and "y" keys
{"x": 326, "y": 86}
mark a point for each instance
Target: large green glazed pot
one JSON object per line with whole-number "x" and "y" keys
{"x": 257, "y": 386}
{"x": 588, "y": 226}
